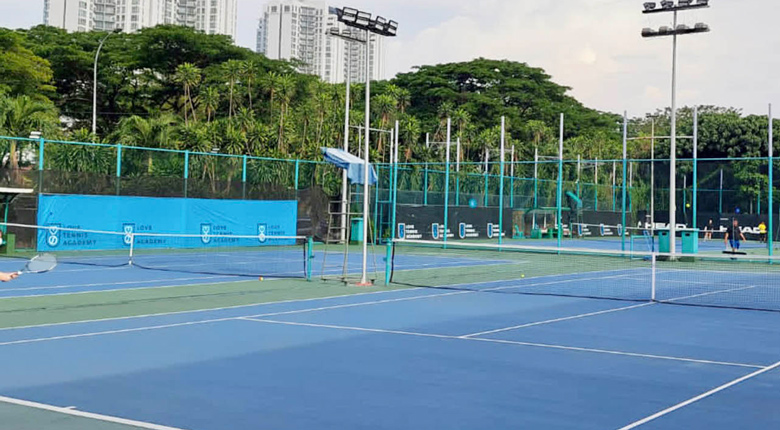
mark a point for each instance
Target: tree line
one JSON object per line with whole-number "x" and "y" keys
{"x": 172, "y": 87}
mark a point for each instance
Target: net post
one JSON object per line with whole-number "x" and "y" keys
{"x": 309, "y": 256}
{"x": 653, "y": 260}
{"x": 132, "y": 247}
{"x": 389, "y": 261}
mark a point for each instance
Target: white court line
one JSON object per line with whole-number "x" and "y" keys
{"x": 291, "y": 312}
{"x": 507, "y": 342}
{"x": 107, "y": 332}
{"x": 108, "y": 284}
{"x": 196, "y": 311}
{"x": 700, "y": 397}
{"x": 299, "y": 300}
{"x": 76, "y": 413}
{"x": 711, "y": 293}
{"x": 123, "y": 289}
{"x": 574, "y": 317}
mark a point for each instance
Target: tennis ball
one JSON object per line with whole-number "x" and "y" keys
{"x": 260, "y": 278}
{"x": 688, "y": 205}
{"x": 522, "y": 275}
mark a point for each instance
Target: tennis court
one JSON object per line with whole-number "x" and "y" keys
{"x": 465, "y": 337}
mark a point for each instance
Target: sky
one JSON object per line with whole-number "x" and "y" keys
{"x": 591, "y": 46}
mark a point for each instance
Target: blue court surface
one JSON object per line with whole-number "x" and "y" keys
{"x": 417, "y": 358}
{"x": 636, "y": 244}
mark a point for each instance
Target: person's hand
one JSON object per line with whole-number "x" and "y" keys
{"x": 8, "y": 276}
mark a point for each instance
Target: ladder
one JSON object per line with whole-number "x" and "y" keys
{"x": 335, "y": 264}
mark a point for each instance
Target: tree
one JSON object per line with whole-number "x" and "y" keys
{"x": 188, "y": 75}
{"x": 21, "y": 115}
{"x": 154, "y": 132}
{"x": 21, "y": 71}
{"x": 210, "y": 99}
{"x": 231, "y": 70}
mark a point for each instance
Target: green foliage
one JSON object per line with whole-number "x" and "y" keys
{"x": 21, "y": 71}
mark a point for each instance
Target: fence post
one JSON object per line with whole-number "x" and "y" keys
{"x": 186, "y": 172}
{"x": 425, "y": 186}
{"x": 118, "y": 169}
{"x": 297, "y": 171}
{"x": 243, "y": 178}
{"x": 389, "y": 262}
{"x": 771, "y": 230}
{"x": 696, "y": 165}
{"x": 309, "y": 256}
{"x": 41, "y": 150}
{"x": 625, "y": 171}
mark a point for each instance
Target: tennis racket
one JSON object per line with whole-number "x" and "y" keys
{"x": 39, "y": 264}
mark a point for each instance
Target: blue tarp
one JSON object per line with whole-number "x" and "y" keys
{"x": 352, "y": 164}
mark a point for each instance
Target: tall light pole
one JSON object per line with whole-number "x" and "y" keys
{"x": 347, "y": 38}
{"x": 676, "y": 30}
{"x": 94, "y": 80}
{"x": 382, "y": 27}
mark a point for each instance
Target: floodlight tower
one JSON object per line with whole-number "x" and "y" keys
{"x": 382, "y": 27}
{"x": 674, "y": 31}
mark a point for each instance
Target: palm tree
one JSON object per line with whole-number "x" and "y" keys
{"x": 271, "y": 84}
{"x": 210, "y": 99}
{"x": 286, "y": 89}
{"x": 384, "y": 105}
{"x": 249, "y": 71}
{"x": 154, "y": 132}
{"x": 231, "y": 70}
{"x": 21, "y": 115}
{"x": 444, "y": 111}
{"x": 189, "y": 76}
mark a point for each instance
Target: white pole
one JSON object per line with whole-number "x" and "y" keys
{"x": 366, "y": 165}
{"x": 94, "y": 84}
{"x": 344, "y": 178}
{"x": 652, "y": 176}
{"x": 673, "y": 150}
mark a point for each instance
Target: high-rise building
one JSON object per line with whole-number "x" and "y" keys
{"x": 208, "y": 16}
{"x": 296, "y": 30}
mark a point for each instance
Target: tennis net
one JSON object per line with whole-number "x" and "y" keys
{"x": 213, "y": 254}
{"x": 728, "y": 281}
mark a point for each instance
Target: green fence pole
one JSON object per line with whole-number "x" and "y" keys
{"x": 388, "y": 262}
{"x": 625, "y": 172}
{"x": 695, "y": 164}
{"x": 186, "y": 172}
{"x": 771, "y": 230}
{"x": 297, "y": 172}
{"x": 118, "y": 169}
{"x": 309, "y": 256}
{"x": 395, "y": 182}
{"x": 243, "y": 177}
{"x": 41, "y": 150}
{"x": 501, "y": 184}
{"x": 425, "y": 186}
{"x": 559, "y": 199}
{"x": 447, "y": 181}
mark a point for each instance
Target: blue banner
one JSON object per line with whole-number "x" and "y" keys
{"x": 124, "y": 215}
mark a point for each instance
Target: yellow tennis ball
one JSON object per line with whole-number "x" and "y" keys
{"x": 522, "y": 275}
{"x": 260, "y": 278}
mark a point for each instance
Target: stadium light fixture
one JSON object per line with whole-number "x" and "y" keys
{"x": 675, "y": 30}
{"x": 651, "y": 5}
{"x": 382, "y": 27}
